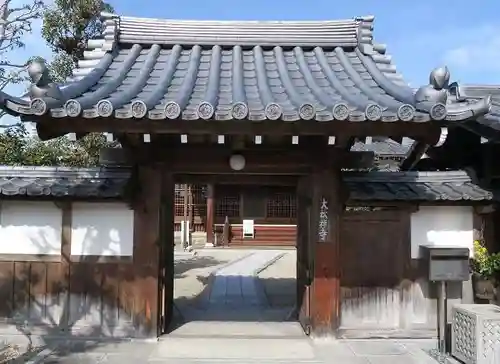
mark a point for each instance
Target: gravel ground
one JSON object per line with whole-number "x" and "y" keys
{"x": 279, "y": 281}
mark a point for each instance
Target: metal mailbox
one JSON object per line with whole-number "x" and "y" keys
{"x": 446, "y": 263}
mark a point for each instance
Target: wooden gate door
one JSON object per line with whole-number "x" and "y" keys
{"x": 166, "y": 259}
{"x": 304, "y": 257}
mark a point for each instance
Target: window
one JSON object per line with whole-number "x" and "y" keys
{"x": 179, "y": 200}
{"x": 227, "y": 202}
{"x": 281, "y": 204}
{"x": 199, "y": 200}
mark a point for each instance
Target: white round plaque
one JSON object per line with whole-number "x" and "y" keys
{"x": 237, "y": 162}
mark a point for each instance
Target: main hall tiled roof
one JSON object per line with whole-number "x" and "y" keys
{"x": 292, "y": 70}
{"x": 110, "y": 183}
{"x": 491, "y": 119}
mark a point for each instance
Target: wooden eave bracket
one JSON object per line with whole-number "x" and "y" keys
{"x": 419, "y": 148}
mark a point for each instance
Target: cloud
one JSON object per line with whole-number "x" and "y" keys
{"x": 477, "y": 49}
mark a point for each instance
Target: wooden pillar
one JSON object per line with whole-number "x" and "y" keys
{"x": 210, "y": 214}
{"x": 67, "y": 215}
{"x": 190, "y": 215}
{"x": 185, "y": 215}
{"x": 145, "y": 270}
{"x": 326, "y": 210}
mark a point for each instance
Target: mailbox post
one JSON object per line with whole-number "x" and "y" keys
{"x": 445, "y": 264}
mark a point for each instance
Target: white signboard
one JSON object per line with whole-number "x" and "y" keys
{"x": 248, "y": 229}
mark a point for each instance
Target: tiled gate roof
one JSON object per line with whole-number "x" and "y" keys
{"x": 370, "y": 186}
{"x": 292, "y": 70}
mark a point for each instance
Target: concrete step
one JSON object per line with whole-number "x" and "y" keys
{"x": 241, "y": 349}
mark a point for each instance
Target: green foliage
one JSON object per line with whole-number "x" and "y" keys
{"x": 485, "y": 263}
{"x": 17, "y": 149}
{"x": 67, "y": 26}
{"x": 61, "y": 67}
{"x": 16, "y": 20}
{"x": 12, "y": 145}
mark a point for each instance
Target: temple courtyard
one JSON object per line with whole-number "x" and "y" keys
{"x": 235, "y": 306}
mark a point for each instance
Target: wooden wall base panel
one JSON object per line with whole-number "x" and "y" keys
{"x": 89, "y": 298}
{"x": 384, "y": 293}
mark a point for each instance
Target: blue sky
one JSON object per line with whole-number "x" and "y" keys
{"x": 420, "y": 35}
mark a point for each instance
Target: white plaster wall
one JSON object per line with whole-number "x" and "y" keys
{"x": 30, "y": 228}
{"x": 442, "y": 226}
{"x": 102, "y": 229}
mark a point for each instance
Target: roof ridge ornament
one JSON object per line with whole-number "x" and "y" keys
{"x": 44, "y": 93}
{"x": 434, "y": 99}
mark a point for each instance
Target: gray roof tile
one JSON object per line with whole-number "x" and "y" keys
{"x": 415, "y": 186}
{"x": 167, "y": 69}
{"x": 62, "y": 182}
{"x": 91, "y": 183}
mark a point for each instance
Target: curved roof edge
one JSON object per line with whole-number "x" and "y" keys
{"x": 430, "y": 102}
{"x": 475, "y": 92}
{"x": 88, "y": 183}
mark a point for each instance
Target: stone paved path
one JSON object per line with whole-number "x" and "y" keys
{"x": 250, "y": 351}
{"x": 236, "y": 285}
{"x": 236, "y": 295}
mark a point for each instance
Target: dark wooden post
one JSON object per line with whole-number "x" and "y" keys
{"x": 210, "y": 214}
{"x": 190, "y": 215}
{"x": 185, "y": 216}
{"x": 326, "y": 209}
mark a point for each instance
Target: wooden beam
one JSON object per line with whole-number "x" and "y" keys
{"x": 482, "y": 130}
{"x": 345, "y": 142}
{"x": 237, "y": 179}
{"x": 208, "y": 159}
{"x": 416, "y": 152}
{"x": 51, "y": 127}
